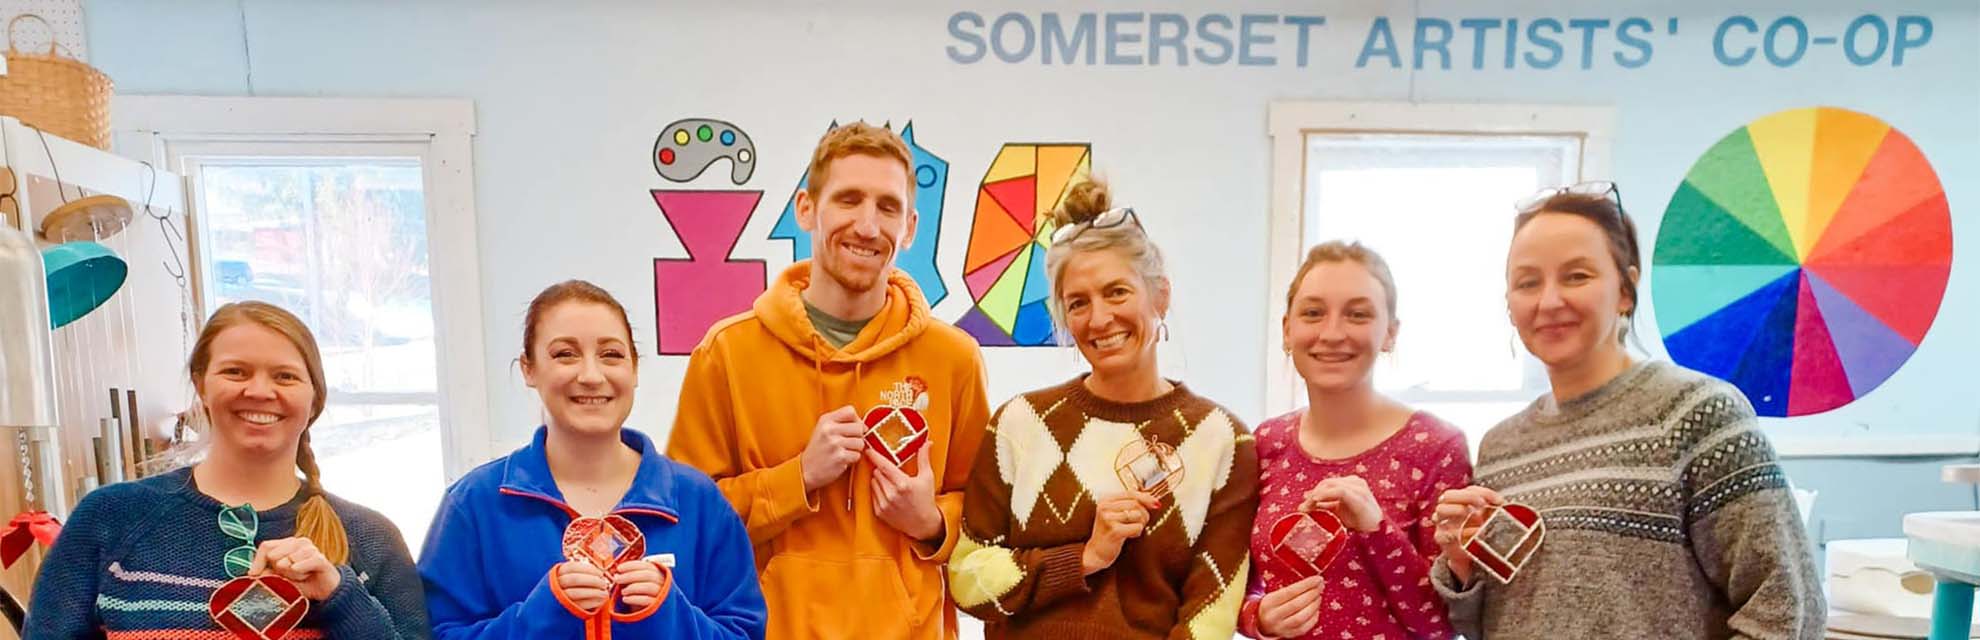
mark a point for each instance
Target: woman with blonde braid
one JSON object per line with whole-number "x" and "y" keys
{"x": 144, "y": 559}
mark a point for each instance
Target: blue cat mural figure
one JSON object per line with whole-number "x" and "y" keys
{"x": 931, "y": 179}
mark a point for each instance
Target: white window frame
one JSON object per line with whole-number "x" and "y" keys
{"x": 162, "y": 129}
{"x": 1289, "y": 124}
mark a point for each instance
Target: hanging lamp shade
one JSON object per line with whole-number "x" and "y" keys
{"x": 92, "y": 218}
{"x": 81, "y": 277}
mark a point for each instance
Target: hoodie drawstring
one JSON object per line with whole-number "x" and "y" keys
{"x": 818, "y": 369}
{"x": 852, "y": 474}
{"x": 859, "y": 370}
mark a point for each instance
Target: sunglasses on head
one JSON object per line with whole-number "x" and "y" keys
{"x": 1597, "y": 188}
{"x": 1109, "y": 218}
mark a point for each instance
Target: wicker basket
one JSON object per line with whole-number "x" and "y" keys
{"x": 55, "y": 93}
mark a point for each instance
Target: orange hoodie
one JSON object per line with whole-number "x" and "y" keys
{"x": 755, "y": 387}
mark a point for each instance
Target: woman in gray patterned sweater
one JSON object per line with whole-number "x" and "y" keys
{"x": 1666, "y": 512}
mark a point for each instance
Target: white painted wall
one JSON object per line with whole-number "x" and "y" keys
{"x": 570, "y": 96}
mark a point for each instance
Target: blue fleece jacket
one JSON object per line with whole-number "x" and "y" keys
{"x": 498, "y": 536}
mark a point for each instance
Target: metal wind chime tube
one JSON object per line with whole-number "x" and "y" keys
{"x": 28, "y": 401}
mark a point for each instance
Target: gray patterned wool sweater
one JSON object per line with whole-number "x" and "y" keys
{"x": 1667, "y": 516}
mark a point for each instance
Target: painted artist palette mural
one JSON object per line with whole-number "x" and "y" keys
{"x": 1803, "y": 259}
{"x": 690, "y": 295}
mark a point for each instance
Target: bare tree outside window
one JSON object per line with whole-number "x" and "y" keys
{"x": 370, "y": 261}
{"x": 342, "y": 242}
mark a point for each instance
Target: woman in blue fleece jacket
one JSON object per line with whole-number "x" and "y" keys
{"x": 494, "y": 563}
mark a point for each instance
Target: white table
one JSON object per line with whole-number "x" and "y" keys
{"x": 1947, "y": 543}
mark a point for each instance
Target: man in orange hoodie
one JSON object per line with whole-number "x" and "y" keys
{"x": 838, "y": 417}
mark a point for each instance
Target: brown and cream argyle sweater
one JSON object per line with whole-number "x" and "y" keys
{"x": 1030, "y": 509}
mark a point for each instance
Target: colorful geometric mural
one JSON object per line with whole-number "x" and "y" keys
{"x": 1004, "y": 268}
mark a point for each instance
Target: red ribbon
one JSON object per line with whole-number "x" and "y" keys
{"x": 27, "y": 528}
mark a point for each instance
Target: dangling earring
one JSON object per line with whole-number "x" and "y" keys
{"x": 1162, "y": 330}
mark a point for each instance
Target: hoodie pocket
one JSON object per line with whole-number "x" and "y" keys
{"x": 835, "y": 598}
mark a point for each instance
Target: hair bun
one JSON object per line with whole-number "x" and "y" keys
{"x": 1085, "y": 200}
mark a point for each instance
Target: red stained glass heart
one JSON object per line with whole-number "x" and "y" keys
{"x": 1506, "y": 538}
{"x": 1305, "y": 543}
{"x": 604, "y": 542}
{"x": 896, "y": 433}
{"x": 264, "y": 607}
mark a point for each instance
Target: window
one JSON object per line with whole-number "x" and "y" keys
{"x": 1384, "y": 189}
{"x": 362, "y": 225}
{"x": 341, "y": 242}
{"x": 1431, "y": 189}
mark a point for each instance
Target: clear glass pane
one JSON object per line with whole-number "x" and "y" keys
{"x": 1473, "y": 418}
{"x": 341, "y": 242}
{"x": 1439, "y": 209}
{"x": 343, "y": 246}
{"x": 386, "y": 457}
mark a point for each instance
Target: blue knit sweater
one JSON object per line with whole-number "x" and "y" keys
{"x": 139, "y": 560}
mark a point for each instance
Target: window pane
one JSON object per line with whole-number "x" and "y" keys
{"x": 385, "y": 457}
{"x": 1439, "y": 209}
{"x": 344, "y": 247}
{"x": 1474, "y": 418}
{"x": 341, "y": 242}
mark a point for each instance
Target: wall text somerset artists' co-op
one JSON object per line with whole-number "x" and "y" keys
{"x": 1156, "y": 39}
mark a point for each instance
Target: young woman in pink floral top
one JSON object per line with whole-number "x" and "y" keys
{"x": 1373, "y": 462}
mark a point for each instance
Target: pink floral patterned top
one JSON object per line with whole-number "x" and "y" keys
{"x": 1379, "y": 588}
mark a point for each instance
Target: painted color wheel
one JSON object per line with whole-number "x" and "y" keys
{"x": 1004, "y": 268}
{"x": 1803, "y": 259}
